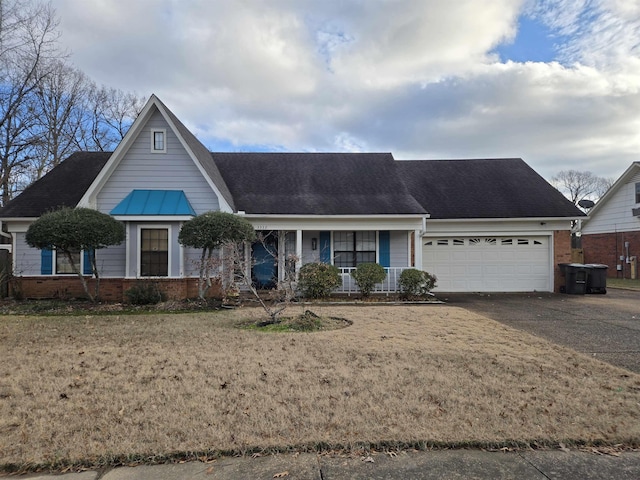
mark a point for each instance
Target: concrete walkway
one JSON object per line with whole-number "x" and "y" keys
{"x": 440, "y": 464}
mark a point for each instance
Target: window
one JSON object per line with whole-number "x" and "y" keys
{"x": 154, "y": 252}
{"x": 158, "y": 141}
{"x": 354, "y": 248}
{"x": 63, "y": 265}
{"x": 638, "y": 192}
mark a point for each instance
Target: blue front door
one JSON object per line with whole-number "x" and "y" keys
{"x": 265, "y": 264}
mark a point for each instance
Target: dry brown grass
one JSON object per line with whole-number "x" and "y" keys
{"x": 93, "y": 388}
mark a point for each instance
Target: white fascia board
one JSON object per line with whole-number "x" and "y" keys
{"x": 504, "y": 220}
{"x": 494, "y": 227}
{"x": 224, "y": 206}
{"x": 18, "y": 225}
{"x": 344, "y": 217}
{"x": 335, "y": 222}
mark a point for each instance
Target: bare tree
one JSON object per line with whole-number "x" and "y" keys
{"x": 108, "y": 116}
{"x": 238, "y": 261}
{"x": 61, "y": 99}
{"x": 28, "y": 38}
{"x": 578, "y": 185}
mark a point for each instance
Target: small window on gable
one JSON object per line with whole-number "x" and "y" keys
{"x": 158, "y": 141}
{"x": 638, "y": 192}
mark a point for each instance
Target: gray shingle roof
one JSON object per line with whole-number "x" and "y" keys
{"x": 483, "y": 188}
{"x": 337, "y": 184}
{"x": 62, "y": 186}
{"x": 316, "y": 183}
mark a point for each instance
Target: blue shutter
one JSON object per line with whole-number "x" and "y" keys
{"x": 46, "y": 261}
{"x": 384, "y": 238}
{"x": 325, "y": 247}
{"x": 86, "y": 268}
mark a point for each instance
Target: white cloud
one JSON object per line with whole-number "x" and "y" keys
{"x": 414, "y": 78}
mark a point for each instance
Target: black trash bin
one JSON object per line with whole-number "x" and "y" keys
{"x": 596, "y": 278}
{"x": 575, "y": 276}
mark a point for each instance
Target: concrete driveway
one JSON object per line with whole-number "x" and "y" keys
{"x": 604, "y": 326}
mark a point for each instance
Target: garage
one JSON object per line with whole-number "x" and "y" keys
{"x": 489, "y": 264}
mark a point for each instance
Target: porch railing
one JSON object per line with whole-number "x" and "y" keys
{"x": 389, "y": 284}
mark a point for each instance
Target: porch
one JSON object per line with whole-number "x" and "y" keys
{"x": 278, "y": 255}
{"x": 388, "y": 286}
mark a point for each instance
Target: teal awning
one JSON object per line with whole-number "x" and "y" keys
{"x": 154, "y": 202}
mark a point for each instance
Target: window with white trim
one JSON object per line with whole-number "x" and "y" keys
{"x": 154, "y": 252}
{"x": 158, "y": 141}
{"x": 63, "y": 265}
{"x": 353, "y": 248}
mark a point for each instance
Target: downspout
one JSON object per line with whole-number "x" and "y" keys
{"x": 3, "y": 233}
{"x": 424, "y": 223}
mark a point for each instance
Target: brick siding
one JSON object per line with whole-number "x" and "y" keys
{"x": 111, "y": 289}
{"x": 606, "y": 248}
{"x": 561, "y": 254}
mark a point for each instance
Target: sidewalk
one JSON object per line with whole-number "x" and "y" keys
{"x": 439, "y": 464}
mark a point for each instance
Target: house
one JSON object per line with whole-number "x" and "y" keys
{"x": 611, "y": 233}
{"x": 479, "y": 225}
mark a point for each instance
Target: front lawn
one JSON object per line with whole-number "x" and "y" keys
{"x": 91, "y": 390}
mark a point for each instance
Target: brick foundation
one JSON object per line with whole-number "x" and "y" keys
{"x": 111, "y": 289}
{"x": 606, "y": 248}
{"x": 561, "y": 254}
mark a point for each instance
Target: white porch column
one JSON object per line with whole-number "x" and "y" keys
{"x": 418, "y": 249}
{"x": 298, "y": 250}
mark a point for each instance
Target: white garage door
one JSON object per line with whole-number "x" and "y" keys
{"x": 488, "y": 264}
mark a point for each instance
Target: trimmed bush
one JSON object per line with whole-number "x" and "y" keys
{"x": 318, "y": 280}
{"x": 145, "y": 293}
{"x": 367, "y": 275}
{"x": 415, "y": 283}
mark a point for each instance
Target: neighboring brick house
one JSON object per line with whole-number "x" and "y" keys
{"x": 479, "y": 224}
{"x": 611, "y": 233}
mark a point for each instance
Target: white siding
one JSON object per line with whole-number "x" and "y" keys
{"x": 309, "y": 255}
{"x": 615, "y": 215}
{"x": 26, "y": 259}
{"x": 111, "y": 261}
{"x": 192, "y": 262}
{"x": 141, "y": 169}
{"x": 399, "y": 249}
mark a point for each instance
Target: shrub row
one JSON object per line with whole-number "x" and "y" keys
{"x": 318, "y": 280}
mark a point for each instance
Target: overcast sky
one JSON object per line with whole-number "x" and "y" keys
{"x": 556, "y": 82}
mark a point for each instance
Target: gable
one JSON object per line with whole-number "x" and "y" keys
{"x": 615, "y": 211}
{"x": 139, "y": 168}
{"x": 155, "y": 115}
